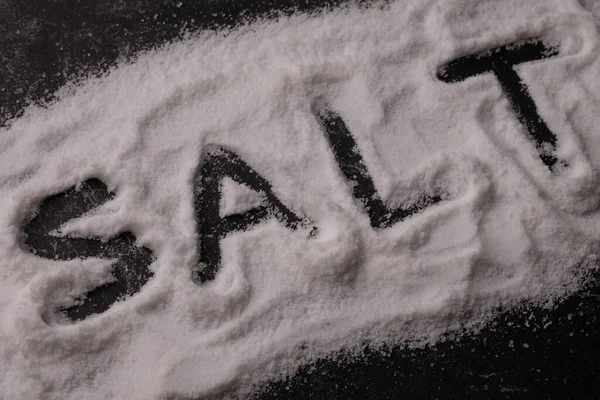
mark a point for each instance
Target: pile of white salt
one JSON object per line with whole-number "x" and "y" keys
{"x": 512, "y": 231}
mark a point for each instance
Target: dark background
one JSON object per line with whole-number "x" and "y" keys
{"x": 528, "y": 353}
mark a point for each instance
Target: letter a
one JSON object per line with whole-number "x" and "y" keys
{"x": 218, "y": 164}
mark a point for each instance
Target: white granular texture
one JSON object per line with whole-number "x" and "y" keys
{"x": 511, "y": 232}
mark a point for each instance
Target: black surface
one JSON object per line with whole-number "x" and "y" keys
{"x": 45, "y": 43}
{"x": 526, "y": 353}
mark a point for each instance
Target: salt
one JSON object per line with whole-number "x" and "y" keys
{"x": 238, "y": 198}
{"x": 508, "y": 231}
